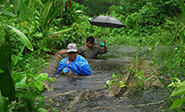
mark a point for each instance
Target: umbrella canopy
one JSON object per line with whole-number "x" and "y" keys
{"x": 106, "y": 21}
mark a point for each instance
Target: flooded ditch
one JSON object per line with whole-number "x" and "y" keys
{"x": 88, "y": 94}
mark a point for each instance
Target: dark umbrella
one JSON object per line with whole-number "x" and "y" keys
{"x": 106, "y": 21}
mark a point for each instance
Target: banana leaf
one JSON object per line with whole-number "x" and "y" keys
{"x": 25, "y": 40}
{"x": 6, "y": 82}
{"x": 21, "y": 9}
{"x": 49, "y": 13}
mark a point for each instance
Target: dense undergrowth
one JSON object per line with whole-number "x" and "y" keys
{"x": 52, "y": 24}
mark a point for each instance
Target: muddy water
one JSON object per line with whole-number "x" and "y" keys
{"x": 88, "y": 94}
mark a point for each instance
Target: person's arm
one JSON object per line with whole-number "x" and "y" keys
{"x": 105, "y": 47}
{"x": 102, "y": 50}
{"x": 84, "y": 69}
{"x": 62, "y": 52}
{"x": 80, "y": 68}
{"x": 61, "y": 65}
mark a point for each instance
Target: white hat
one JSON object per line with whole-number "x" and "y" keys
{"x": 72, "y": 47}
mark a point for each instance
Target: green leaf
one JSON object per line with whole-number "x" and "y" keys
{"x": 42, "y": 110}
{"x": 20, "y": 61}
{"x": 41, "y": 100}
{"x": 21, "y": 84}
{"x": 177, "y": 103}
{"x": 36, "y": 84}
{"x": 1, "y": 5}
{"x": 51, "y": 79}
{"x": 23, "y": 10}
{"x": 114, "y": 82}
{"x": 43, "y": 76}
{"x": 114, "y": 76}
{"x": 1, "y": 71}
{"x": 62, "y": 31}
{"x": 6, "y": 82}
{"x": 122, "y": 84}
{"x": 179, "y": 91}
{"x": 141, "y": 72}
{"x": 54, "y": 13}
{"x": 7, "y": 13}
{"x": 24, "y": 38}
{"x": 108, "y": 82}
{"x": 162, "y": 81}
{"x": 183, "y": 83}
{"x": 50, "y": 99}
{"x": 149, "y": 78}
{"x": 45, "y": 15}
{"x": 39, "y": 85}
{"x": 3, "y": 104}
{"x": 19, "y": 55}
{"x": 182, "y": 6}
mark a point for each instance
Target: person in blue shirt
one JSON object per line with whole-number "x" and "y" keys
{"x": 74, "y": 63}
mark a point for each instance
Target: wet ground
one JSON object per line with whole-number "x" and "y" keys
{"x": 88, "y": 94}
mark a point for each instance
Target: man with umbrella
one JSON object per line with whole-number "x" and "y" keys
{"x": 90, "y": 50}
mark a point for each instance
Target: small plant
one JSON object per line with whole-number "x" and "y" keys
{"x": 114, "y": 81}
{"x": 179, "y": 93}
{"x": 139, "y": 80}
{"x": 28, "y": 89}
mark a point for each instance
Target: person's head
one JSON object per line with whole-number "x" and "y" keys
{"x": 72, "y": 51}
{"x": 90, "y": 41}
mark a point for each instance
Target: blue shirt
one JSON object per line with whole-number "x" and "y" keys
{"x": 79, "y": 66}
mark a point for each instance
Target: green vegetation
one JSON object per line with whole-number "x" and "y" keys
{"x": 29, "y": 28}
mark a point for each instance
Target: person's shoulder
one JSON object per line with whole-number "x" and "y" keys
{"x": 95, "y": 46}
{"x": 65, "y": 58}
{"x": 82, "y": 47}
{"x": 81, "y": 57}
